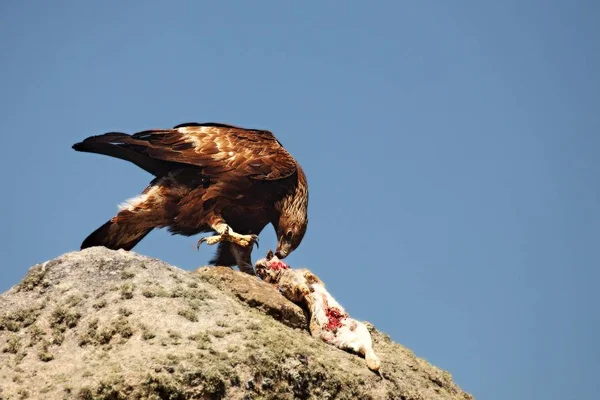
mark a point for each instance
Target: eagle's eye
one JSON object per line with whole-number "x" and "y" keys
{"x": 288, "y": 235}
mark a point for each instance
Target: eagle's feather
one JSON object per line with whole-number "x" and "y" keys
{"x": 206, "y": 174}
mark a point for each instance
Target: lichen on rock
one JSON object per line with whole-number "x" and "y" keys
{"x": 100, "y": 324}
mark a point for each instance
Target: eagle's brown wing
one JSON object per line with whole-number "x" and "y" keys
{"x": 216, "y": 148}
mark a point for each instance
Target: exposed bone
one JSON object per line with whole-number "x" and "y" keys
{"x": 328, "y": 319}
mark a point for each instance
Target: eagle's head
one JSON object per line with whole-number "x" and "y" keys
{"x": 293, "y": 219}
{"x": 290, "y": 233}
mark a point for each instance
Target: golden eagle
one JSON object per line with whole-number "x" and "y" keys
{"x": 209, "y": 177}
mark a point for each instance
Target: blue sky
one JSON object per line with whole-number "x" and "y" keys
{"x": 451, "y": 150}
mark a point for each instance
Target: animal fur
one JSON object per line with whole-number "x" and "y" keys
{"x": 328, "y": 319}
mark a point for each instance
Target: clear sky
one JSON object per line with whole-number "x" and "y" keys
{"x": 451, "y": 147}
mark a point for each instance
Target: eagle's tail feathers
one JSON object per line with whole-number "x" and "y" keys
{"x": 122, "y": 146}
{"x": 116, "y": 235}
{"x": 101, "y": 144}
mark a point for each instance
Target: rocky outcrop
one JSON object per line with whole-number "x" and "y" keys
{"x": 102, "y": 324}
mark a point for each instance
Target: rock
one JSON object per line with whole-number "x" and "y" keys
{"x": 100, "y": 324}
{"x": 257, "y": 294}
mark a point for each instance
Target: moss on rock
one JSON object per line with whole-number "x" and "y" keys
{"x": 78, "y": 323}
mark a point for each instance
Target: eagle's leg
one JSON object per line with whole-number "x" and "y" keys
{"x": 243, "y": 259}
{"x": 225, "y": 233}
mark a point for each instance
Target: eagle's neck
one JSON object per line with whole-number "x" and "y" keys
{"x": 295, "y": 203}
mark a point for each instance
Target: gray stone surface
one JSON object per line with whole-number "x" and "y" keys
{"x": 102, "y": 324}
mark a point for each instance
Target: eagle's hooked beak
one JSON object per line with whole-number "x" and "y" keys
{"x": 281, "y": 254}
{"x": 284, "y": 246}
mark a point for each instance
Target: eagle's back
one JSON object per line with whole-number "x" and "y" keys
{"x": 207, "y": 169}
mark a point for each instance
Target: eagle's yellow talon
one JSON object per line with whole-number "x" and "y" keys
{"x": 254, "y": 240}
{"x": 210, "y": 240}
{"x": 230, "y": 236}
